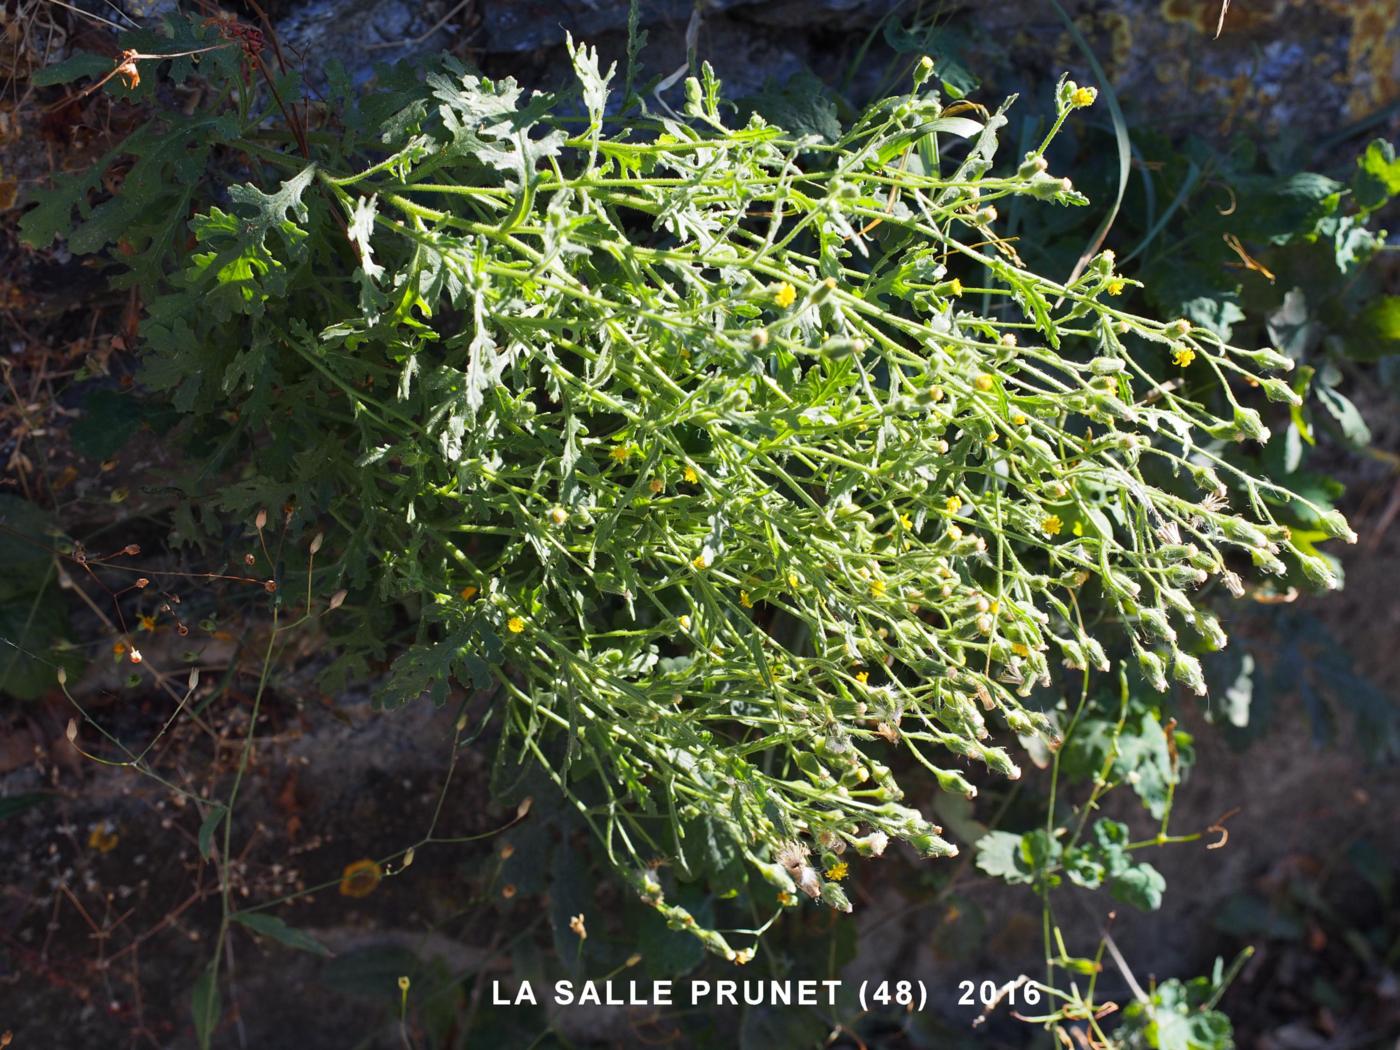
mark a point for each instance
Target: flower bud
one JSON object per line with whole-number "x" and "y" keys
{"x": 998, "y": 761}
{"x": 1156, "y": 621}
{"x": 923, "y": 69}
{"x": 1186, "y": 669}
{"x": 1104, "y": 366}
{"x": 1278, "y": 390}
{"x": 930, "y": 845}
{"x": 1268, "y": 357}
{"x": 1209, "y": 628}
{"x": 774, "y": 875}
{"x": 872, "y": 845}
{"x": 1335, "y": 525}
{"x": 1033, "y": 165}
{"x": 1318, "y": 572}
{"x": 1153, "y": 670}
{"x": 834, "y": 896}
{"x": 1248, "y": 424}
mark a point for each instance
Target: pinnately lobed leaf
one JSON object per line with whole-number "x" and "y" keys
{"x": 732, "y": 459}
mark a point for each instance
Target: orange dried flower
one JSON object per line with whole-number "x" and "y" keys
{"x": 360, "y": 878}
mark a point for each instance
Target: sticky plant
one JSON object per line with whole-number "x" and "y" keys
{"x": 729, "y": 461}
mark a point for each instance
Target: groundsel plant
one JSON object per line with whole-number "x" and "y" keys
{"x": 731, "y": 460}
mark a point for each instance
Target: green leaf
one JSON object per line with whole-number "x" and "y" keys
{"x": 1353, "y": 428}
{"x": 207, "y": 827}
{"x": 1083, "y": 868}
{"x": 82, "y": 64}
{"x": 271, "y": 926}
{"x": 206, "y": 1004}
{"x": 110, "y": 419}
{"x": 945, "y": 46}
{"x": 16, "y": 804}
{"x": 666, "y": 953}
{"x": 431, "y": 668}
{"x": 33, "y": 626}
{"x": 803, "y": 106}
{"x": 1353, "y": 245}
{"x": 1377, "y": 177}
{"x": 1140, "y": 885}
{"x": 75, "y": 67}
{"x": 26, "y": 544}
{"x": 1239, "y": 692}
{"x": 1376, "y": 331}
{"x": 593, "y": 82}
{"x": 1278, "y": 210}
{"x": 782, "y": 1028}
{"x": 1245, "y": 915}
{"x": 1293, "y": 327}
{"x": 241, "y": 267}
{"x": 1144, "y": 761}
{"x": 1219, "y": 314}
{"x": 999, "y": 854}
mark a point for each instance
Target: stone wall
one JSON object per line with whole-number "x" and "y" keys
{"x": 1293, "y": 67}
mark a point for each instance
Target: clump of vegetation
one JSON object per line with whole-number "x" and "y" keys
{"x": 729, "y": 458}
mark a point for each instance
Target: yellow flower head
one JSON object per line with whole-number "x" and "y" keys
{"x": 1183, "y": 356}
{"x": 621, "y": 453}
{"x": 745, "y": 600}
{"x": 103, "y": 837}
{"x": 1018, "y": 420}
{"x": 953, "y": 504}
{"x": 838, "y": 870}
{"x": 515, "y": 625}
{"x": 983, "y": 382}
{"x": 702, "y": 560}
{"x": 862, "y": 677}
{"x": 784, "y": 295}
{"x": 1020, "y": 649}
{"x": 360, "y": 878}
{"x": 1116, "y": 286}
{"x": 1084, "y": 96}
{"x": 877, "y": 588}
{"x": 690, "y": 475}
{"x": 656, "y": 486}
{"x": 793, "y": 581}
{"x": 1052, "y": 525}
{"x": 906, "y": 521}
